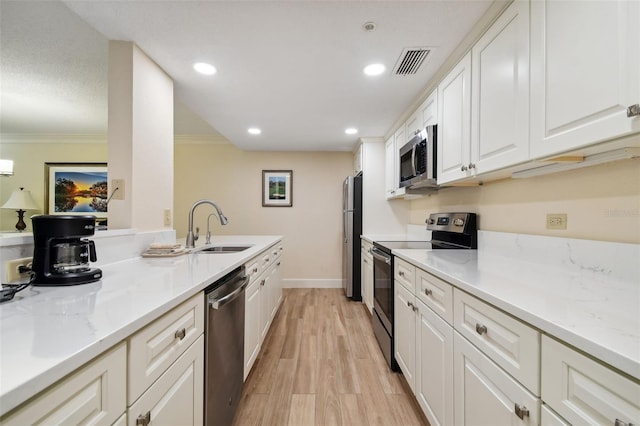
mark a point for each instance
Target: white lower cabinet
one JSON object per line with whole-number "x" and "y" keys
{"x": 95, "y": 394}
{"x": 485, "y": 394}
{"x": 404, "y": 327}
{"x": 176, "y": 398}
{"x": 262, "y": 300}
{"x": 584, "y": 391}
{"x": 366, "y": 267}
{"x": 549, "y": 418}
{"x": 434, "y": 366}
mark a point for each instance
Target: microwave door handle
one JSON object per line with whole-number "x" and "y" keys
{"x": 413, "y": 160}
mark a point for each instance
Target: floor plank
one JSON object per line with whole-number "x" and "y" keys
{"x": 321, "y": 365}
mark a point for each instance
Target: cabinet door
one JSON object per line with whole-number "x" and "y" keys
{"x": 584, "y": 391}
{"x": 454, "y": 121}
{"x": 95, "y": 394}
{"x": 500, "y": 92}
{"x": 585, "y": 60}
{"x": 485, "y": 394}
{"x": 390, "y": 167}
{"x": 265, "y": 304}
{"x": 404, "y": 327}
{"x": 252, "y": 329}
{"x": 176, "y": 398}
{"x": 434, "y": 367}
{"x": 429, "y": 110}
{"x": 275, "y": 288}
{"x": 412, "y": 126}
{"x": 367, "y": 279}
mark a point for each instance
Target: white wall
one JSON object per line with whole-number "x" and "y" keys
{"x": 312, "y": 228}
{"x": 140, "y": 138}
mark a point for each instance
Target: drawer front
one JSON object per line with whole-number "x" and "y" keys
{"x": 405, "y": 274}
{"x": 583, "y": 391}
{"x": 253, "y": 269}
{"x": 154, "y": 348}
{"x": 266, "y": 260}
{"x": 485, "y": 394}
{"x": 94, "y": 394}
{"x": 510, "y": 343}
{"x": 435, "y": 293}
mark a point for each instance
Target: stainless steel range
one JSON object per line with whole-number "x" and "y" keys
{"x": 449, "y": 231}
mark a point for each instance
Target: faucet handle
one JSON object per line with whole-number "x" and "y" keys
{"x": 197, "y": 234}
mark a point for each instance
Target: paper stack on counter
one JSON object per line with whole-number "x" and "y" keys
{"x": 164, "y": 250}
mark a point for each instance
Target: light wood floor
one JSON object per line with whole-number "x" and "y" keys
{"x": 321, "y": 365}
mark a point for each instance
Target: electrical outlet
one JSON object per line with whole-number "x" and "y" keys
{"x": 556, "y": 221}
{"x": 167, "y": 217}
{"x": 12, "y": 271}
{"x": 119, "y": 193}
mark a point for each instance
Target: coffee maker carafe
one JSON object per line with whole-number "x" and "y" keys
{"x": 61, "y": 253}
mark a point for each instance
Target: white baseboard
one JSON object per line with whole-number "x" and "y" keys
{"x": 311, "y": 283}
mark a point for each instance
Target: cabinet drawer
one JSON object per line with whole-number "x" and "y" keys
{"x": 485, "y": 394}
{"x": 435, "y": 293}
{"x": 94, "y": 394}
{"x": 583, "y": 391}
{"x": 154, "y": 348}
{"x": 405, "y": 274}
{"x": 253, "y": 269}
{"x": 176, "y": 398}
{"x": 512, "y": 344}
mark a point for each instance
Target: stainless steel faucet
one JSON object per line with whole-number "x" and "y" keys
{"x": 191, "y": 238}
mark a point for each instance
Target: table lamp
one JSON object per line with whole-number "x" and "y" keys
{"x": 20, "y": 201}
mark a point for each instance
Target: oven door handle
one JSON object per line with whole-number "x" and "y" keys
{"x": 381, "y": 255}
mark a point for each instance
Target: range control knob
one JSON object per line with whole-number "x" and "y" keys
{"x": 458, "y": 222}
{"x": 430, "y": 221}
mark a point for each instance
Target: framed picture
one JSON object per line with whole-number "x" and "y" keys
{"x": 76, "y": 189}
{"x": 277, "y": 188}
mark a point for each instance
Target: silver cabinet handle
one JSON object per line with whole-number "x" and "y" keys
{"x": 365, "y": 261}
{"x": 633, "y": 110}
{"x": 472, "y": 166}
{"x": 481, "y": 329}
{"x": 266, "y": 259}
{"x": 144, "y": 419}
{"x": 428, "y": 291}
{"x": 262, "y": 282}
{"x": 278, "y": 263}
{"x": 619, "y": 422}
{"x": 179, "y": 334}
{"x": 412, "y": 306}
{"x": 463, "y": 169}
{"x": 521, "y": 411}
{"x": 255, "y": 270}
{"x": 401, "y": 273}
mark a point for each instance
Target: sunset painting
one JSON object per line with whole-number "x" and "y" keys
{"x": 78, "y": 190}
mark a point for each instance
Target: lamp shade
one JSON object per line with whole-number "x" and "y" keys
{"x": 20, "y": 200}
{"x": 6, "y": 167}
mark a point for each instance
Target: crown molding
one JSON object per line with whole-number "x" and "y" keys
{"x": 22, "y": 138}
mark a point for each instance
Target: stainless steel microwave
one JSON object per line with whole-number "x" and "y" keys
{"x": 418, "y": 160}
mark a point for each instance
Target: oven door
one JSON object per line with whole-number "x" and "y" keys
{"x": 383, "y": 287}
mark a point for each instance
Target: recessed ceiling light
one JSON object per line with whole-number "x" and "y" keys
{"x": 254, "y": 130}
{"x": 351, "y": 131}
{"x": 203, "y": 68}
{"x": 374, "y": 69}
{"x": 369, "y": 26}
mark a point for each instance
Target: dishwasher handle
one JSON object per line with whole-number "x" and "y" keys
{"x": 380, "y": 255}
{"x": 219, "y": 303}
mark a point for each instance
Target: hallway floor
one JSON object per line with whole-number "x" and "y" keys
{"x": 321, "y": 365}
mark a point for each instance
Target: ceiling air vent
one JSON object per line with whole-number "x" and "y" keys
{"x": 410, "y": 60}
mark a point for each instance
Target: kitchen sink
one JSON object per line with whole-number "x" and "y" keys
{"x": 222, "y": 249}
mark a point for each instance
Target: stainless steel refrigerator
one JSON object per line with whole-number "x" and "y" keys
{"x": 352, "y": 229}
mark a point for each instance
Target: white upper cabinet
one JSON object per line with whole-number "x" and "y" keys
{"x": 585, "y": 72}
{"x": 429, "y": 110}
{"x": 454, "y": 121}
{"x": 500, "y": 92}
{"x": 412, "y": 126}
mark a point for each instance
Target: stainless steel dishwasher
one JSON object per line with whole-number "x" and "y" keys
{"x": 224, "y": 348}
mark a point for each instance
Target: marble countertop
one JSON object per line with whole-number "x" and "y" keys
{"x": 578, "y": 296}
{"x": 48, "y": 332}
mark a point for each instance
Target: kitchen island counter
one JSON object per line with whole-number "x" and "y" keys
{"x": 48, "y": 332}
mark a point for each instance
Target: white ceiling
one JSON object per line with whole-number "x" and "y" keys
{"x": 292, "y": 68}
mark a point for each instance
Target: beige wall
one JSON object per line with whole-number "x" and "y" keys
{"x": 602, "y": 203}
{"x": 29, "y": 158}
{"x": 312, "y": 228}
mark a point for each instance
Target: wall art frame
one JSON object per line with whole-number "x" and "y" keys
{"x": 277, "y": 188}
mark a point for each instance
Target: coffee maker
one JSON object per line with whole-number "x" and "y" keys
{"x": 61, "y": 253}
